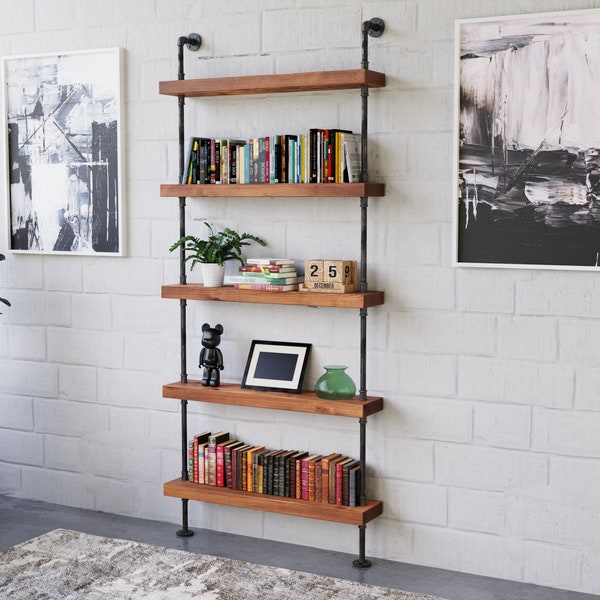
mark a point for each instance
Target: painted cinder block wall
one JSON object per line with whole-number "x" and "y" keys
{"x": 487, "y": 456}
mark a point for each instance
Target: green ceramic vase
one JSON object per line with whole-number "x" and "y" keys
{"x": 335, "y": 384}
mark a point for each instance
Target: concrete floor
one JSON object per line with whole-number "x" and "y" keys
{"x": 21, "y": 520}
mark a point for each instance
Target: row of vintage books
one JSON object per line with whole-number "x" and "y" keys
{"x": 267, "y": 275}
{"x": 215, "y": 459}
{"x": 318, "y": 156}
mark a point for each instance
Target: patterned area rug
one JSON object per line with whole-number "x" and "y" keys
{"x": 68, "y": 565}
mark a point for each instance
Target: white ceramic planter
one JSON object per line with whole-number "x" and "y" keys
{"x": 212, "y": 274}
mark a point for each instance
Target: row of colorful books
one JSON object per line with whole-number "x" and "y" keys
{"x": 319, "y": 156}
{"x": 215, "y": 459}
{"x": 267, "y": 275}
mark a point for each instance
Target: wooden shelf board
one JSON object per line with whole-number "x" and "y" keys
{"x": 273, "y": 190}
{"x": 351, "y": 515}
{"x": 196, "y": 291}
{"x": 273, "y": 84}
{"x": 306, "y": 402}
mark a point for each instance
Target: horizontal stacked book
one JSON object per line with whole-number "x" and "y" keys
{"x": 215, "y": 459}
{"x": 266, "y": 275}
{"x": 318, "y": 156}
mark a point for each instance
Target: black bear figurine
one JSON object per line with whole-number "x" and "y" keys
{"x": 211, "y": 358}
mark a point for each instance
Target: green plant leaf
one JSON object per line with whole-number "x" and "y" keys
{"x": 219, "y": 246}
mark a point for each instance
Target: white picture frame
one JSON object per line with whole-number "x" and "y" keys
{"x": 63, "y": 128}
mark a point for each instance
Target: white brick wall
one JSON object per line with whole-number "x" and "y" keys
{"x": 487, "y": 456}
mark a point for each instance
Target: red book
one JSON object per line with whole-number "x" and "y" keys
{"x": 236, "y": 466}
{"x": 220, "y": 467}
{"x": 312, "y": 466}
{"x": 228, "y": 452}
{"x": 213, "y": 440}
{"x": 267, "y": 160}
{"x": 191, "y": 460}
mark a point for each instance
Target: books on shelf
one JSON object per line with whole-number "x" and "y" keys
{"x": 266, "y": 275}
{"x": 217, "y": 460}
{"x": 316, "y": 156}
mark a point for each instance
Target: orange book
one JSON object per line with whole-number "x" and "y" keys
{"x": 249, "y": 470}
{"x": 325, "y": 475}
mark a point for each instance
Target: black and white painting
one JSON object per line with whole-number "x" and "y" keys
{"x": 63, "y": 131}
{"x": 528, "y": 141}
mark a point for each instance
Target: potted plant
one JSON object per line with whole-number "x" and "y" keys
{"x": 3, "y": 300}
{"x": 219, "y": 247}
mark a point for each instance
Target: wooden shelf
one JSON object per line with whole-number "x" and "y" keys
{"x": 272, "y": 190}
{"x": 273, "y": 84}
{"x": 306, "y": 402}
{"x": 196, "y": 291}
{"x": 351, "y": 515}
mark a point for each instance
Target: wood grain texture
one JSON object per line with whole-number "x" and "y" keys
{"x": 273, "y": 190}
{"x": 196, "y": 291}
{"x": 306, "y": 402}
{"x": 350, "y": 515}
{"x": 273, "y": 84}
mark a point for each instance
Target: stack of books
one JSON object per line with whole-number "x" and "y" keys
{"x": 215, "y": 459}
{"x": 266, "y": 275}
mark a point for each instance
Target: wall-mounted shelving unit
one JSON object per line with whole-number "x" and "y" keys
{"x": 360, "y": 407}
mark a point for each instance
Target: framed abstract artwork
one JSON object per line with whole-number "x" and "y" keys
{"x": 527, "y": 141}
{"x": 63, "y": 128}
{"x": 276, "y": 366}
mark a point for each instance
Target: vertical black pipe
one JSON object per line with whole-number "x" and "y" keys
{"x": 184, "y": 531}
{"x": 368, "y": 28}
{"x": 361, "y": 562}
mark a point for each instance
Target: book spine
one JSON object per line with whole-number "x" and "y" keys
{"x": 292, "y": 478}
{"x": 191, "y": 460}
{"x": 331, "y": 491}
{"x": 317, "y": 481}
{"x": 276, "y": 474}
{"x": 244, "y": 471}
{"x": 258, "y": 478}
{"x": 345, "y": 483}
{"x": 354, "y": 486}
{"x": 283, "y": 161}
{"x": 228, "y": 472}
{"x": 262, "y": 161}
{"x": 325, "y": 482}
{"x": 220, "y": 466}
{"x": 304, "y": 479}
{"x": 286, "y": 476}
{"x": 269, "y": 269}
{"x": 311, "y": 481}
{"x": 212, "y": 465}
{"x": 270, "y": 474}
{"x": 265, "y": 468}
{"x": 201, "y": 470}
{"x": 266, "y": 287}
{"x": 213, "y": 162}
{"x": 338, "y": 484}
{"x": 260, "y": 279}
